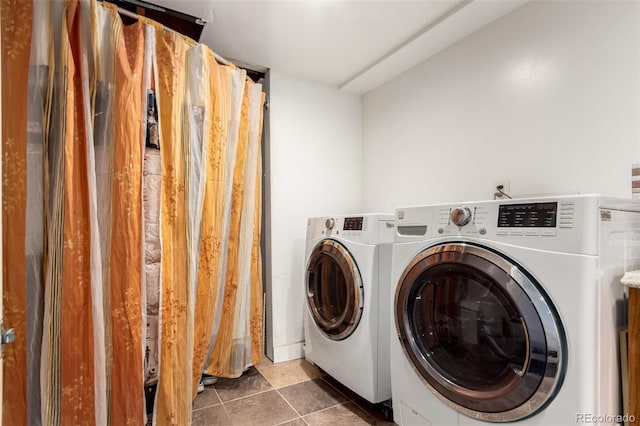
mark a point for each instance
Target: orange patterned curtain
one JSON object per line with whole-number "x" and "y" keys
{"x": 125, "y": 272}
{"x": 173, "y": 397}
{"x": 16, "y": 18}
{"x": 214, "y": 149}
{"x": 131, "y": 216}
{"x": 237, "y": 339}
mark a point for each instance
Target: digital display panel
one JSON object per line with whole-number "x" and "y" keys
{"x": 353, "y": 223}
{"x": 531, "y": 215}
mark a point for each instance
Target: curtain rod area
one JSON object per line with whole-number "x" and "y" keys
{"x": 133, "y": 15}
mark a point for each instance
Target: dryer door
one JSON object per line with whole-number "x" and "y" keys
{"x": 482, "y": 335}
{"x": 334, "y": 290}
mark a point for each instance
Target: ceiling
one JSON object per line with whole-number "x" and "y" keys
{"x": 354, "y": 45}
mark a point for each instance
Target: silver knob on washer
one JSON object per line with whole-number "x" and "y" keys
{"x": 330, "y": 223}
{"x": 460, "y": 216}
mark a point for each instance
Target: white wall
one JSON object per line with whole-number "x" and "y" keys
{"x": 546, "y": 97}
{"x": 316, "y": 169}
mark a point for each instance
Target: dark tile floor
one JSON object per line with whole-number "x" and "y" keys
{"x": 293, "y": 393}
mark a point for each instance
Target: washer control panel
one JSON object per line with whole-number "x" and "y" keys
{"x": 354, "y": 223}
{"x": 460, "y": 216}
{"x": 465, "y": 219}
{"x": 561, "y": 223}
{"x": 535, "y": 219}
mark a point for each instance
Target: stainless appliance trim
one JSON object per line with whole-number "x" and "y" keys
{"x": 519, "y": 284}
{"x": 344, "y": 325}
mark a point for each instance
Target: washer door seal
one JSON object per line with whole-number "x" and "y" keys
{"x": 480, "y": 333}
{"x": 334, "y": 290}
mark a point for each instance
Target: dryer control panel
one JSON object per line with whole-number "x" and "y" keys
{"x": 373, "y": 228}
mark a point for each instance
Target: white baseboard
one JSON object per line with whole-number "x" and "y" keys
{"x": 288, "y": 353}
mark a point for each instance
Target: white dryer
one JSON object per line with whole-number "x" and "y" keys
{"x": 509, "y": 311}
{"x": 347, "y": 280}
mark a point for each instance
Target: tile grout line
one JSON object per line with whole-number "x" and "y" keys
{"x": 247, "y": 396}
{"x": 348, "y": 399}
{"x": 344, "y": 403}
{"x": 282, "y": 366}
{"x": 318, "y": 411}
{"x": 273, "y": 388}
{"x": 277, "y": 390}
{"x": 202, "y": 408}
{"x": 259, "y": 393}
{"x": 224, "y": 407}
{"x": 292, "y": 407}
{"x": 217, "y": 394}
{"x": 226, "y": 412}
{"x": 292, "y": 384}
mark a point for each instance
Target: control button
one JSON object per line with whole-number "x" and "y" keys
{"x": 502, "y": 232}
{"x": 566, "y": 206}
{"x": 460, "y": 216}
{"x": 440, "y": 230}
{"x": 482, "y": 231}
{"x": 566, "y": 216}
{"x": 566, "y": 225}
{"x": 548, "y": 233}
{"x": 516, "y": 233}
{"x": 532, "y": 233}
{"x": 330, "y": 223}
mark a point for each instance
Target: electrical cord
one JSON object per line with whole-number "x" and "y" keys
{"x": 500, "y": 193}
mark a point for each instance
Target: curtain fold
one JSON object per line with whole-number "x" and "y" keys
{"x": 232, "y": 347}
{"x": 214, "y": 151}
{"x": 131, "y": 216}
{"x": 173, "y": 396}
{"x": 37, "y": 113}
{"x": 194, "y": 132}
{"x": 236, "y": 83}
{"x": 50, "y": 371}
{"x": 221, "y": 357}
{"x": 77, "y": 351}
{"x": 16, "y": 17}
{"x": 104, "y": 35}
{"x": 255, "y": 319}
{"x": 242, "y": 340}
{"x": 126, "y": 231}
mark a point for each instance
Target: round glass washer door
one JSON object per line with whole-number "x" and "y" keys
{"x": 480, "y": 333}
{"x": 334, "y": 290}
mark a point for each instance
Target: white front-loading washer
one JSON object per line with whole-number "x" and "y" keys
{"x": 347, "y": 281}
{"x": 509, "y": 311}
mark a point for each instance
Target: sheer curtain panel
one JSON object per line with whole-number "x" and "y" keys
{"x": 131, "y": 214}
